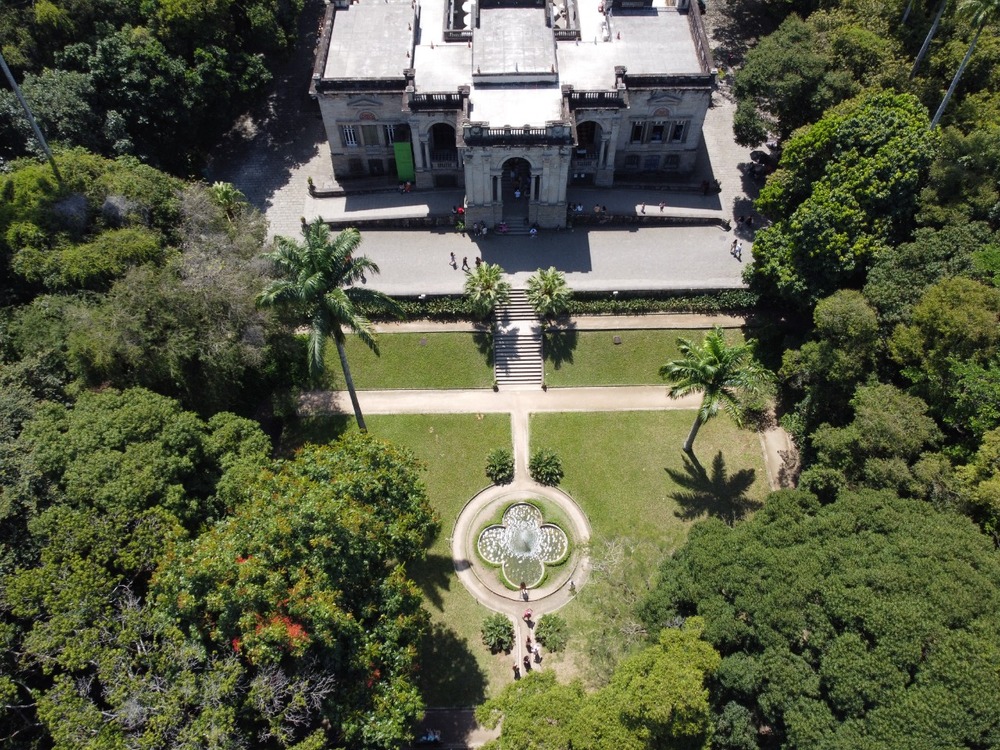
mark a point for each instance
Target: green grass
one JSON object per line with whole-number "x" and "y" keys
{"x": 628, "y": 472}
{"x": 414, "y": 360}
{"x": 584, "y": 358}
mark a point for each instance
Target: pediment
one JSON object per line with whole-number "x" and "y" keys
{"x": 665, "y": 97}
{"x": 364, "y": 101}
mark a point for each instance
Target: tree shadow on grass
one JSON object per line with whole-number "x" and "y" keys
{"x": 449, "y": 673}
{"x": 558, "y": 343}
{"x": 483, "y": 338}
{"x": 433, "y": 575}
{"x": 716, "y": 494}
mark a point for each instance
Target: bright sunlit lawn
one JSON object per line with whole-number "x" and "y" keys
{"x": 628, "y": 472}
{"x": 414, "y": 360}
{"x": 584, "y": 358}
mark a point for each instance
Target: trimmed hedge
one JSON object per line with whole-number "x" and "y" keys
{"x": 626, "y": 303}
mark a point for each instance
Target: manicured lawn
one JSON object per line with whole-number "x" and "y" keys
{"x": 628, "y": 472}
{"x": 578, "y": 358}
{"x": 415, "y": 360}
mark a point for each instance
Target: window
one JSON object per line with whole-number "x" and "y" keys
{"x": 370, "y": 133}
{"x": 632, "y": 161}
{"x": 636, "y": 133}
{"x": 348, "y": 135}
{"x": 651, "y": 163}
{"x": 390, "y": 134}
{"x": 656, "y": 134}
{"x": 680, "y": 131}
{"x": 672, "y": 161}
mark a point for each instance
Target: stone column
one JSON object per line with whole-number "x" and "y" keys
{"x": 605, "y": 175}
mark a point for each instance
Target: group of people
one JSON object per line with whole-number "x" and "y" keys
{"x": 479, "y": 229}
{"x": 531, "y": 648}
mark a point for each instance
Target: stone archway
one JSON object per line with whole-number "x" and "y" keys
{"x": 516, "y": 190}
{"x": 587, "y": 154}
{"x": 442, "y": 145}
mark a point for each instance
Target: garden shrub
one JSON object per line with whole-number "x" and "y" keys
{"x": 498, "y": 633}
{"x": 545, "y": 467}
{"x": 552, "y": 632}
{"x": 500, "y": 466}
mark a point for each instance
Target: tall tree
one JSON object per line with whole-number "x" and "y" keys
{"x": 930, "y": 36}
{"x": 981, "y": 13}
{"x": 727, "y": 375}
{"x": 486, "y": 288}
{"x": 548, "y": 292}
{"x": 318, "y": 287}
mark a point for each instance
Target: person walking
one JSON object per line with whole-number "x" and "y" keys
{"x": 732, "y": 247}
{"x": 454, "y": 263}
{"x": 465, "y": 263}
{"x": 739, "y": 251}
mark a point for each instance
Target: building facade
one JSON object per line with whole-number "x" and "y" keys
{"x": 513, "y": 100}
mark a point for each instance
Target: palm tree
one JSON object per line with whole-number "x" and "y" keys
{"x": 486, "y": 288}
{"x": 981, "y": 12}
{"x": 930, "y": 36}
{"x": 228, "y": 198}
{"x": 548, "y": 292}
{"x": 317, "y": 285}
{"x": 727, "y": 374}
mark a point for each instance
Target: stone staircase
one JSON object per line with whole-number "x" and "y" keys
{"x": 517, "y": 344}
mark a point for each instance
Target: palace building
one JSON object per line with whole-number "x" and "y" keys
{"x": 513, "y": 100}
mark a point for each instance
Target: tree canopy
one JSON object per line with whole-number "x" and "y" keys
{"x": 656, "y": 698}
{"x": 870, "y": 622}
{"x": 845, "y": 188}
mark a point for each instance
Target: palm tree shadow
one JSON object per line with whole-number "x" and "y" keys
{"x": 558, "y": 343}
{"x": 716, "y": 493}
{"x": 483, "y": 338}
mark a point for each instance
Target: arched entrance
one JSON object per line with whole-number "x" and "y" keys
{"x": 587, "y": 155}
{"x": 443, "y": 154}
{"x": 515, "y": 190}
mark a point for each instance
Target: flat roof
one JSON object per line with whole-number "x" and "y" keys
{"x": 371, "y": 40}
{"x": 513, "y": 40}
{"x": 515, "y": 106}
{"x": 643, "y": 40}
{"x": 443, "y": 67}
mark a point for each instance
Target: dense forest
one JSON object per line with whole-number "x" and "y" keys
{"x": 159, "y": 587}
{"x": 159, "y": 80}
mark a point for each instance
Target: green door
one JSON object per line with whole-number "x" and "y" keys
{"x": 404, "y": 161}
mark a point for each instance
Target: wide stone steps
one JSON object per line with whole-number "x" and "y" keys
{"x": 517, "y": 343}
